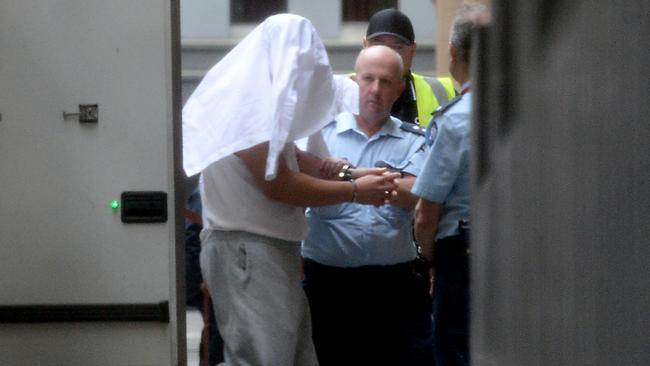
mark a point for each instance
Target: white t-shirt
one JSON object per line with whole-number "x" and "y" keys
{"x": 232, "y": 201}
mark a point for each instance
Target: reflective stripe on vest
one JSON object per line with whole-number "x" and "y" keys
{"x": 430, "y": 93}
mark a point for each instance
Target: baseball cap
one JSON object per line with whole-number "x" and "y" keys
{"x": 391, "y": 22}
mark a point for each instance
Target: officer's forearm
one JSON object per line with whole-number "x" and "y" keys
{"x": 427, "y": 215}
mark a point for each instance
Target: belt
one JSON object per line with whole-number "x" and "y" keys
{"x": 370, "y": 270}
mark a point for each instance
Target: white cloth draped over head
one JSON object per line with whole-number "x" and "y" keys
{"x": 276, "y": 85}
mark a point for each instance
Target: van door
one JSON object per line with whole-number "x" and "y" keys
{"x": 88, "y": 272}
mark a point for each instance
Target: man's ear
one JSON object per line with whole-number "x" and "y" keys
{"x": 365, "y": 42}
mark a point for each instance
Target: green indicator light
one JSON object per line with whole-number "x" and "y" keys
{"x": 115, "y": 204}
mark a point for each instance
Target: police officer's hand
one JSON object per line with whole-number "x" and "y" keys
{"x": 373, "y": 189}
{"x": 360, "y": 172}
{"x": 402, "y": 196}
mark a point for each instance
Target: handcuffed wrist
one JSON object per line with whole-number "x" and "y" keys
{"x": 354, "y": 190}
{"x": 346, "y": 172}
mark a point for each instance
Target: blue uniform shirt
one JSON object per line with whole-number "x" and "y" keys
{"x": 444, "y": 177}
{"x": 351, "y": 234}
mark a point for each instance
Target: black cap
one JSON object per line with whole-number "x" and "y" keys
{"x": 391, "y": 22}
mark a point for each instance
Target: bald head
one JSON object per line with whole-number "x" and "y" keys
{"x": 380, "y": 54}
{"x": 379, "y": 73}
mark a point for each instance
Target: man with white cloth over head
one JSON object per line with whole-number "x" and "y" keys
{"x": 239, "y": 128}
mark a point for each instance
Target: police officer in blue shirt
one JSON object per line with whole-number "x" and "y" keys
{"x": 443, "y": 210}
{"x": 368, "y": 306}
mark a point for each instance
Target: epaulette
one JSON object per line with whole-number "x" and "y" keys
{"x": 443, "y": 108}
{"x": 413, "y": 128}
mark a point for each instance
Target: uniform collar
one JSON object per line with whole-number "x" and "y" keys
{"x": 347, "y": 121}
{"x": 466, "y": 87}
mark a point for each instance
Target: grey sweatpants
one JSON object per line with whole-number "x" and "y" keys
{"x": 260, "y": 308}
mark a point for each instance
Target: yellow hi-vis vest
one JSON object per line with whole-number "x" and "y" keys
{"x": 430, "y": 93}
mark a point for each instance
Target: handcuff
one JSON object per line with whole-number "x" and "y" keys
{"x": 346, "y": 172}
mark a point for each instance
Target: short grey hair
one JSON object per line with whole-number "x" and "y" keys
{"x": 467, "y": 20}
